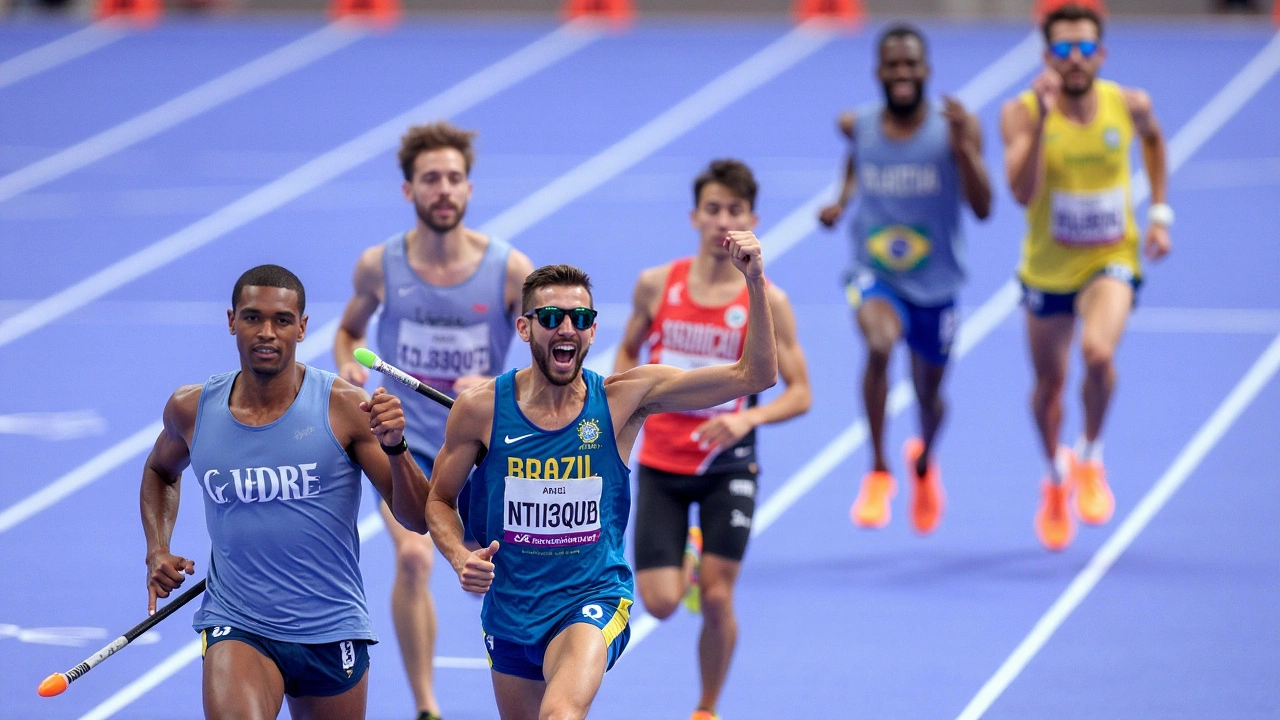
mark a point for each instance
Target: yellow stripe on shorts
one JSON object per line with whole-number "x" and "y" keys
{"x": 204, "y": 642}
{"x": 618, "y": 622}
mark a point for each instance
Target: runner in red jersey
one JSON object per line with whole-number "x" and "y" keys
{"x": 693, "y": 313}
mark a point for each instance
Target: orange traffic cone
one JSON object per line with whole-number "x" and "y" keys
{"x": 140, "y": 10}
{"x": 847, "y": 11}
{"x": 617, "y": 11}
{"x": 382, "y": 12}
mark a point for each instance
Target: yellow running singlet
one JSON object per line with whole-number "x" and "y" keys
{"x": 1082, "y": 219}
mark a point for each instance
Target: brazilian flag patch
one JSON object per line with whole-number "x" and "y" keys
{"x": 899, "y": 248}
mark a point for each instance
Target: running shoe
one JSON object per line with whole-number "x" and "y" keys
{"x": 704, "y": 715}
{"x": 871, "y": 508}
{"x": 1094, "y": 501}
{"x": 693, "y": 569}
{"x": 927, "y": 495}
{"x": 1054, "y": 525}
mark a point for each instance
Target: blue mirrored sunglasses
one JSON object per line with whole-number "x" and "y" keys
{"x": 550, "y": 317}
{"x": 1062, "y": 50}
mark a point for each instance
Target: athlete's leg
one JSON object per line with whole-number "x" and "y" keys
{"x": 719, "y": 626}
{"x": 927, "y": 379}
{"x": 413, "y": 609}
{"x": 348, "y": 705}
{"x": 1103, "y": 306}
{"x": 240, "y": 683}
{"x": 518, "y": 698}
{"x": 881, "y": 327}
{"x": 574, "y": 666}
{"x": 662, "y": 523}
{"x": 1050, "y": 342}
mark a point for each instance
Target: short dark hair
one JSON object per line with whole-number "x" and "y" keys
{"x": 901, "y": 31}
{"x": 434, "y": 136}
{"x": 1070, "y": 13}
{"x": 733, "y": 174}
{"x": 270, "y": 276}
{"x": 552, "y": 276}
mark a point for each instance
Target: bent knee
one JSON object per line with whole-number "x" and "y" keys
{"x": 1098, "y": 357}
{"x": 414, "y": 559}
{"x": 660, "y": 605}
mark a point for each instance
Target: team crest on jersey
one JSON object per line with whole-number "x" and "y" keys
{"x": 735, "y": 317}
{"x": 1111, "y": 136}
{"x": 589, "y": 434}
{"x": 673, "y": 294}
{"x": 899, "y": 248}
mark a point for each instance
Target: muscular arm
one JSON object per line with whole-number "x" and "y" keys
{"x": 366, "y": 423}
{"x": 831, "y": 214}
{"x": 643, "y": 303}
{"x": 465, "y": 436}
{"x": 796, "y": 397}
{"x": 1153, "y": 146}
{"x": 974, "y": 182}
{"x": 1023, "y": 156}
{"x": 369, "y": 291}
{"x": 160, "y": 492}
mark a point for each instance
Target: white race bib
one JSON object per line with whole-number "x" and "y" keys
{"x": 1088, "y": 218}
{"x": 435, "y": 352}
{"x": 551, "y": 513}
{"x": 687, "y": 361}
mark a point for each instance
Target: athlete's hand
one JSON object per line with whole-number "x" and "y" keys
{"x": 722, "y": 431}
{"x": 830, "y": 215}
{"x": 958, "y": 121}
{"x": 466, "y": 382}
{"x": 476, "y": 574}
{"x": 386, "y": 417}
{"x": 354, "y": 373}
{"x": 164, "y": 575}
{"x": 1158, "y": 243}
{"x": 745, "y": 252}
{"x": 1046, "y": 86}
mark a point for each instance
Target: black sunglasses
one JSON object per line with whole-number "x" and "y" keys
{"x": 550, "y": 317}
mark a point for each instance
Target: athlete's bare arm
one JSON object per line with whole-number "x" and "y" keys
{"x": 644, "y": 304}
{"x": 830, "y": 215}
{"x": 965, "y": 137}
{"x": 465, "y": 435}
{"x": 796, "y": 397}
{"x": 369, "y": 292}
{"x": 1023, "y": 136}
{"x": 649, "y": 389}
{"x": 159, "y": 495}
{"x": 362, "y": 423}
{"x": 1158, "y": 243}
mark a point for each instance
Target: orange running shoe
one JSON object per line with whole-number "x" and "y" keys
{"x": 927, "y": 495}
{"x": 1054, "y": 525}
{"x": 704, "y": 715}
{"x": 871, "y": 508}
{"x": 1094, "y": 501}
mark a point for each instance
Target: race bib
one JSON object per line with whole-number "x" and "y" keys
{"x": 1088, "y": 218}
{"x": 552, "y": 513}
{"x": 899, "y": 248}
{"x": 442, "y": 353}
{"x": 688, "y": 361}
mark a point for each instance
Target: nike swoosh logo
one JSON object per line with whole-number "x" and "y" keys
{"x": 510, "y": 439}
{"x": 404, "y": 291}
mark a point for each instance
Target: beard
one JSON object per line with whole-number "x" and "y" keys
{"x": 903, "y": 110}
{"x": 542, "y": 358}
{"x": 424, "y": 214}
{"x": 1077, "y": 90}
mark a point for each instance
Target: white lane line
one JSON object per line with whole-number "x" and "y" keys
{"x": 712, "y": 98}
{"x": 67, "y": 425}
{"x": 469, "y": 92}
{"x": 1106, "y": 556}
{"x": 143, "y": 439}
{"x": 369, "y": 526}
{"x": 226, "y": 87}
{"x": 63, "y": 50}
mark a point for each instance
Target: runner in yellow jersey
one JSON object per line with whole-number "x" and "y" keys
{"x": 1067, "y": 143}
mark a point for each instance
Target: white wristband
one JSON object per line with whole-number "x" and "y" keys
{"x": 1160, "y": 214}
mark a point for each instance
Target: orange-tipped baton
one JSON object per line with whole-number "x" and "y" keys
{"x": 56, "y": 683}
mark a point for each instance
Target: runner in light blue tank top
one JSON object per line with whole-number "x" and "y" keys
{"x": 913, "y": 162}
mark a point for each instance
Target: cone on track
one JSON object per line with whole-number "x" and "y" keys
{"x": 846, "y": 11}
{"x": 146, "y": 11}
{"x": 616, "y": 11}
{"x": 381, "y": 12}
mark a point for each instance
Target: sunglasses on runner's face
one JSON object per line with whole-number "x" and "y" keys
{"x": 1062, "y": 50}
{"x": 550, "y": 317}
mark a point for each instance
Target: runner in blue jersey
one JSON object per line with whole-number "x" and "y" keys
{"x": 448, "y": 297}
{"x": 550, "y": 500}
{"x": 276, "y": 451}
{"x": 913, "y": 161}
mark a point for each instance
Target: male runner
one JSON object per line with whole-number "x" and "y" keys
{"x": 1066, "y": 144}
{"x": 916, "y": 160}
{"x": 691, "y": 313}
{"x": 449, "y": 297}
{"x": 553, "y": 492}
{"x": 277, "y": 449}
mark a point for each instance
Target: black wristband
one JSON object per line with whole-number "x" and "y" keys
{"x": 396, "y": 449}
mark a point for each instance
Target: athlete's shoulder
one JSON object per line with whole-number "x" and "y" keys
{"x": 1135, "y": 99}
{"x": 186, "y": 399}
{"x": 369, "y": 270}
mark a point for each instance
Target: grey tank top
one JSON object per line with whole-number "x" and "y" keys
{"x": 281, "y": 502}
{"x": 439, "y": 334}
{"x": 906, "y": 230}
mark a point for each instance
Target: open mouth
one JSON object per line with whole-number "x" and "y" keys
{"x": 266, "y": 352}
{"x": 564, "y": 354}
